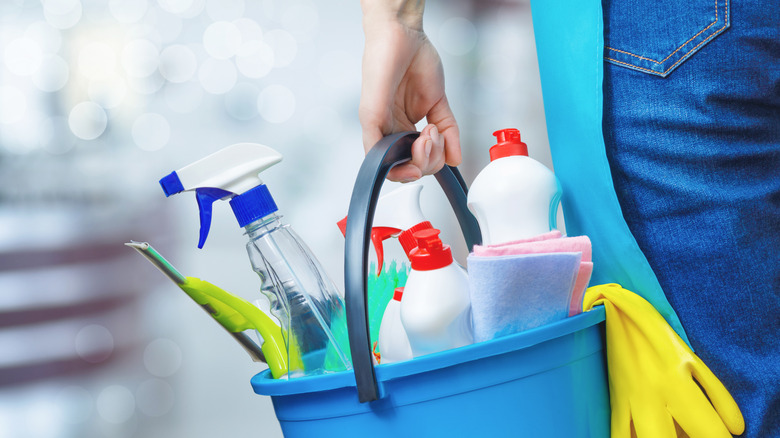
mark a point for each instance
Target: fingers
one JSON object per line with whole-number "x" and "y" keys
{"x": 441, "y": 116}
{"x": 427, "y": 157}
{"x": 653, "y": 421}
{"x": 721, "y": 400}
{"x": 695, "y": 415}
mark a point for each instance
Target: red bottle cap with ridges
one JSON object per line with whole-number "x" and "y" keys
{"x": 508, "y": 144}
{"x": 407, "y": 240}
{"x": 399, "y": 292}
{"x": 430, "y": 253}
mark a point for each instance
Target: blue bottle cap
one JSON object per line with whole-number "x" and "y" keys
{"x": 252, "y": 205}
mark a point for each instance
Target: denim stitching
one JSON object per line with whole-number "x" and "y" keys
{"x": 681, "y": 46}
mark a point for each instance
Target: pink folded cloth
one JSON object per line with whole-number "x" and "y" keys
{"x": 551, "y": 242}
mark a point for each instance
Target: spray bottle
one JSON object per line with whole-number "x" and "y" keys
{"x": 398, "y": 215}
{"x": 302, "y": 297}
{"x": 514, "y": 197}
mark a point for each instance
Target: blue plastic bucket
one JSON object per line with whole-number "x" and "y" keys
{"x": 547, "y": 382}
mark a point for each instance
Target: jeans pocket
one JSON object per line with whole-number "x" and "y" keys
{"x": 656, "y": 36}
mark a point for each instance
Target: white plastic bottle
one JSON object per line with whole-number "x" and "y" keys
{"x": 436, "y": 308}
{"x": 514, "y": 197}
{"x": 393, "y": 341}
{"x": 398, "y": 215}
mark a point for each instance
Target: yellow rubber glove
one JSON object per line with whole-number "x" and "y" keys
{"x": 653, "y": 375}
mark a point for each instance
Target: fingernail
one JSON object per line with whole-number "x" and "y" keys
{"x": 435, "y": 134}
{"x": 428, "y": 146}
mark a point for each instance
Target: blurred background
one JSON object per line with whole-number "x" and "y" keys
{"x": 101, "y": 98}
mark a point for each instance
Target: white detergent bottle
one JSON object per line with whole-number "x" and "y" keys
{"x": 514, "y": 197}
{"x": 436, "y": 308}
{"x": 393, "y": 341}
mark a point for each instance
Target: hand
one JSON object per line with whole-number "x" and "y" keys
{"x": 656, "y": 383}
{"x": 403, "y": 81}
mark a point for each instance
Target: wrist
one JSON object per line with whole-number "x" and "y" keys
{"x": 407, "y": 13}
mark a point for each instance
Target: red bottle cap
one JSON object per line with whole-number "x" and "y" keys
{"x": 399, "y": 292}
{"x": 407, "y": 240}
{"x": 430, "y": 253}
{"x": 508, "y": 144}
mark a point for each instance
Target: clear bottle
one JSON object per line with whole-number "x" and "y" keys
{"x": 308, "y": 305}
{"x": 306, "y": 301}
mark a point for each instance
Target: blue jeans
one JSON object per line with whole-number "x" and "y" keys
{"x": 691, "y": 125}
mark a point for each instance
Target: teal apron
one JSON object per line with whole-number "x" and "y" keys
{"x": 570, "y": 46}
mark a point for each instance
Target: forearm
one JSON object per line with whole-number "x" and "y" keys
{"x": 408, "y": 13}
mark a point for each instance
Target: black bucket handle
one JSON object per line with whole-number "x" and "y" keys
{"x": 387, "y": 153}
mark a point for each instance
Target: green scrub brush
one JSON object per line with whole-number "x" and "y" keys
{"x": 380, "y": 291}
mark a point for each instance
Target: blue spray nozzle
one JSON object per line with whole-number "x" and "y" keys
{"x": 171, "y": 184}
{"x": 206, "y": 197}
{"x": 232, "y": 172}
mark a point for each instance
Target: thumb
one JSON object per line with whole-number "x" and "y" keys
{"x": 441, "y": 115}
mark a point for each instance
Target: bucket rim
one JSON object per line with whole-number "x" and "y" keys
{"x": 264, "y": 384}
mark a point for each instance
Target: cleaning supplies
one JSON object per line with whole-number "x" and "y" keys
{"x": 393, "y": 341}
{"x": 303, "y": 298}
{"x": 514, "y": 197}
{"x": 397, "y": 214}
{"x": 233, "y": 313}
{"x": 656, "y": 383}
{"x": 435, "y": 310}
{"x": 514, "y": 293}
{"x": 551, "y": 242}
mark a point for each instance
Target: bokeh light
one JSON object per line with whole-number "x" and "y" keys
{"x": 52, "y": 75}
{"x": 13, "y": 104}
{"x": 284, "y": 46}
{"x": 457, "y": 36}
{"x": 222, "y": 40}
{"x": 225, "y": 9}
{"x": 22, "y": 56}
{"x": 97, "y": 60}
{"x": 176, "y": 6}
{"x": 87, "y": 120}
{"x": 151, "y": 131}
{"x": 115, "y": 404}
{"x": 94, "y": 343}
{"x": 128, "y": 11}
{"x": 255, "y": 59}
{"x": 48, "y": 38}
{"x": 178, "y": 63}
{"x": 241, "y": 101}
{"x": 217, "y": 76}
{"x": 183, "y": 97}
{"x": 276, "y": 103}
{"x": 62, "y": 14}
{"x": 250, "y": 30}
{"x": 301, "y": 19}
{"x": 155, "y": 397}
{"x": 148, "y": 85}
{"x": 108, "y": 92}
{"x": 140, "y": 58}
{"x": 162, "y": 357}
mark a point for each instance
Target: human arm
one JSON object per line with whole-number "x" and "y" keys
{"x": 403, "y": 81}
